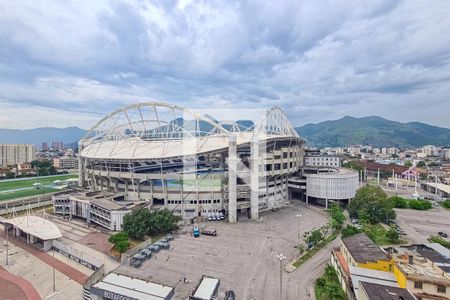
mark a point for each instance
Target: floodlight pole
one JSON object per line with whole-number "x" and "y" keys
{"x": 281, "y": 257}
{"x": 298, "y": 227}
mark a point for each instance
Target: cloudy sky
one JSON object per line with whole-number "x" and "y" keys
{"x": 68, "y": 63}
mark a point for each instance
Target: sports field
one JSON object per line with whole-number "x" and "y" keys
{"x": 13, "y": 189}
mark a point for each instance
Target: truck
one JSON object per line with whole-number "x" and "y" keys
{"x": 195, "y": 230}
{"x": 212, "y": 232}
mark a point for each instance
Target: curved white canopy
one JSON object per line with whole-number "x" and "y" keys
{"x": 36, "y": 226}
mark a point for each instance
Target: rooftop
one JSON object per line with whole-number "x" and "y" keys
{"x": 363, "y": 249}
{"x": 376, "y": 291}
{"x": 421, "y": 269}
{"x": 103, "y": 199}
{"x": 207, "y": 288}
{"x": 36, "y": 226}
{"x": 133, "y": 287}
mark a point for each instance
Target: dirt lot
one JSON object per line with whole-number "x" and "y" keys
{"x": 419, "y": 225}
{"x": 242, "y": 256}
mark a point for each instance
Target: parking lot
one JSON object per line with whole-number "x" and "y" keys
{"x": 419, "y": 225}
{"x": 242, "y": 255}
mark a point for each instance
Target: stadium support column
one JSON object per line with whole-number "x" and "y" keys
{"x": 232, "y": 177}
{"x": 81, "y": 180}
{"x": 254, "y": 179}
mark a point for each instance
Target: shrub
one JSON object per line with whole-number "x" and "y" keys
{"x": 392, "y": 235}
{"x": 420, "y": 204}
{"x": 122, "y": 246}
{"x": 439, "y": 240}
{"x": 399, "y": 202}
{"x": 446, "y": 203}
{"x": 118, "y": 237}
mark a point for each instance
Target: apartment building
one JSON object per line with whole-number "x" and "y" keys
{"x": 14, "y": 154}
{"x": 65, "y": 162}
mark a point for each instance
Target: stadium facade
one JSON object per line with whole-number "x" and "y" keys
{"x": 191, "y": 163}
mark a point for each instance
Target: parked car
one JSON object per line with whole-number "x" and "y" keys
{"x": 213, "y": 216}
{"x": 217, "y": 216}
{"x": 222, "y": 216}
{"x": 354, "y": 221}
{"x": 443, "y": 234}
{"x": 212, "y": 232}
{"x": 359, "y": 226}
{"x": 229, "y": 295}
{"x": 210, "y": 218}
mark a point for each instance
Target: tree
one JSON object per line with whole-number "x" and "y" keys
{"x": 372, "y": 205}
{"x": 408, "y": 164}
{"x": 421, "y": 164}
{"x": 313, "y": 237}
{"x": 350, "y": 230}
{"x": 392, "y": 235}
{"x": 337, "y": 216}
{"x": 142, "y": 222}
{"x": 136, "y": 224}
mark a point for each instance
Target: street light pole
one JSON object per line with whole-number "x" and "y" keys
{"x": 281, "y": 257}
{"x": 53, "y": 265}
{"x": 298, "y": 227}
{"x": 7, "y": 244}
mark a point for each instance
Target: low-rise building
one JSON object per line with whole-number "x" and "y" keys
{"x": 374, "y": 291}
{"x": 426, "y": 280}
{"x": 102, "y": 208}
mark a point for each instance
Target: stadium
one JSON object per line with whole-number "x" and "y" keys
{"x": 191, "y": 163}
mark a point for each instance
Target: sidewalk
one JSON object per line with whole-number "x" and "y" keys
{"x": 67, "y": 270}
{"x": 13, "y": 287}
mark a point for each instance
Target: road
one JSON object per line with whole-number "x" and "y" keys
{"x": 302, "y": 280}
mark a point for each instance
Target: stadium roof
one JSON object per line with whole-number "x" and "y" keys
{"x": 36, "y": 226}
{"x": 135, "y": 148}
{"x": 154, "y": 129}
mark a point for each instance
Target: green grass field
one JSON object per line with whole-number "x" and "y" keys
{"x": 18, "y": 184}
{"x": 28, "y": 183}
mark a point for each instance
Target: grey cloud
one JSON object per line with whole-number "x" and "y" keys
{"x": 318, "y": 60}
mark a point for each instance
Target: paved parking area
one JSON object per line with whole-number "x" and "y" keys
{"x": 242, "y": 256}
{"x": 419, "y": 225}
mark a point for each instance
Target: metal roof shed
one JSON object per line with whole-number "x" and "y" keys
{"x": 207, "y": 289}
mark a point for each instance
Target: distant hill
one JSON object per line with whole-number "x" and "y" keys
{"x": 36, "y": 136}
{"x": 374, "y": 131}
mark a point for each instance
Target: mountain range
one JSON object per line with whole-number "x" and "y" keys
{"x": 375, "y": 131}
{"x": 346, "y": 131}
{"x": 37, "y": 136}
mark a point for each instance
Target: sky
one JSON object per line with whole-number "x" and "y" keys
{"x": 69, "y": 63}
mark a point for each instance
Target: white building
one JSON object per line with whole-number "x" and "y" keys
{"x": 65, "y": 162}
{"x": 13, "y": 154}
{"x": 392, "y": 151}
{"x": 100, "y": 208}
{"x": 322, "y": 161}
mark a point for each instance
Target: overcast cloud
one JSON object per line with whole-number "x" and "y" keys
{"x": 68, "y": 63}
